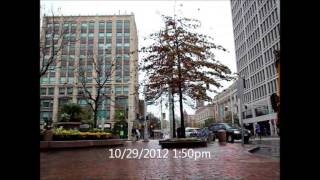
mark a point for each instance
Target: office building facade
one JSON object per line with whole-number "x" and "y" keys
{"x": 109, "y": 42}
{"x": 256, "y": 25}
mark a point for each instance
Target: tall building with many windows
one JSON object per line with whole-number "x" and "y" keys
{"x": 106, "y": 42}
{"x": 256, "y": 25}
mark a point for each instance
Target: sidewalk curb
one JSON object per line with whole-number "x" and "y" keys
{"x": 252, "y": 150}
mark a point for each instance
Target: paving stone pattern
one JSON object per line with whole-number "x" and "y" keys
{"x": 230, "y": 161}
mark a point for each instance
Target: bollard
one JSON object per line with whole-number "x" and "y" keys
{"x": 222, "y": 136}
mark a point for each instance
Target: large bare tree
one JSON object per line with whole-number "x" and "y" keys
{"x": 183, "y": 60}
{"x": 101, "y": 76}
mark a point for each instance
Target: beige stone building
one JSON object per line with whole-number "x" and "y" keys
{"x": 227, "y": 104}
{"x": 189, "y": 119}
{"x": 204, "y": 113}
{"x": 88, "y": 41}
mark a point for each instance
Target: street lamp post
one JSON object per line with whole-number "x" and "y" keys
{"x": 145, "y": 115}
{"x": 231, "y": 107}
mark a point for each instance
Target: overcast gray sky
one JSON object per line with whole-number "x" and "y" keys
{"x": 215, "y": 17}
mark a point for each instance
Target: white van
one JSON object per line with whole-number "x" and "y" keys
{"x": 190, "y": 130}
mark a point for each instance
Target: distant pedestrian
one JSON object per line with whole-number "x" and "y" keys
{"x": 133, "y": 132}
{"x": 265, "y": 131}
{"x": 258, "y": 130}
{"x": 137, "y": 134}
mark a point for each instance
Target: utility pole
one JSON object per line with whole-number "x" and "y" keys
{"x": 241, "y": 86}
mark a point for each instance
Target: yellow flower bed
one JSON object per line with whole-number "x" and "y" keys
{"x": 73, "y": 134}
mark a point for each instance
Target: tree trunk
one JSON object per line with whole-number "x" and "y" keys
{"x": 183, "y": 134}
{"x": 173, "y": 118}
{"x": 182, "y": 128}
{"x": 95, "y": 118}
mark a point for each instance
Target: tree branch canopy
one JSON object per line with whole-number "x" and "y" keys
{"x": 199, "y": 69}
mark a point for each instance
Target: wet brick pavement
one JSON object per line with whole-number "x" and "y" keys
{"x": 230, "y": 161}
{"x": 268, "y": 147}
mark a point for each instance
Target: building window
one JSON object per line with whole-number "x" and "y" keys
{"x": 109, "y": 26}
{"x": 69, "y": 90}
{"x": 46, "y": 103}
{"x": 109, "y": 34}
{"x": 118, "y": 90}
{"x": 80, "y": 91}
{"x": 119, "y": 25}
{"x": 273, "y": 69}
{"x": 50, "y": 90}
{"x": 62, "y": 80}
{"x": 44, "y": 80}
{"x": 89, "y": 90}
{"x": 107, "y": 90}
{"x": 43, "y": 91}
{"x": 269, "y": 89}
{"x": 84, "y": 27}
{"x": 91, "y": 35}
{"x": 91, "y": 25}
{"x": 89, "y": 80}
{"x": 61, "y": 91}
{"x": 101, "y": 26}
{"x": 121, "y": 102}
{"x": 125, "y": 90}
{"x": 101, "y": 35}
{"x": 45, "y": 115}
{"x": 272, "y": 87}
{"x": 82, "y": 102}
{"x": 126, "y": 78}
{"x": 52, "y": 80}
{"x": 126, "y": 26}
{"x": 70, "y": 80}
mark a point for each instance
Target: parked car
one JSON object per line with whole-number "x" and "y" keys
{"x": 205, "y": 134}
{"x": 232, "y": 132}
{"x": 195, "y": 132}
{"x": 191, "y": 132}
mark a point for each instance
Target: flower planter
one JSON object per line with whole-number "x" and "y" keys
{"x": 48, "y": 135}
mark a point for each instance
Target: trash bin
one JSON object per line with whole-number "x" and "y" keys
{"x": 48, "y": 135}
{"x": 222, "y": 136}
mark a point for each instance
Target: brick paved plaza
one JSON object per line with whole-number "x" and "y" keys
{"x": 230, "y": 161}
